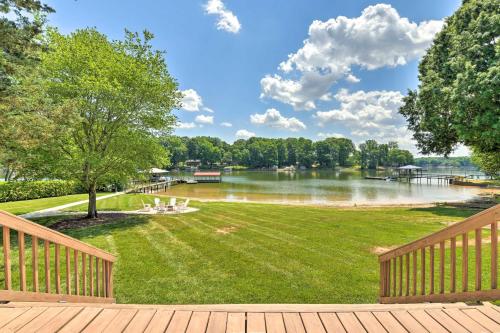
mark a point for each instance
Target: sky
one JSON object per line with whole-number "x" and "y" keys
{"x": 280, "y": 68}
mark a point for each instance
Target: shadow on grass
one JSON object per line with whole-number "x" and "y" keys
{"x": 447, "y": 211}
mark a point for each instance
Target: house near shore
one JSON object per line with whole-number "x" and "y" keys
{"x": 192, "y": 165}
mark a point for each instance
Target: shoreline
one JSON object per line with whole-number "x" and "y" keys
{"x": 333, "y": 204}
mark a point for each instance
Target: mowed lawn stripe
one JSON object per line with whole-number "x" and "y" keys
{"x": 288, "y": 265}
{"x": 296, "y": 270}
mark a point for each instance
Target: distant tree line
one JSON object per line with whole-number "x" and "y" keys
{"x": 266, "y": 153}
{"x": 457, "y": 162}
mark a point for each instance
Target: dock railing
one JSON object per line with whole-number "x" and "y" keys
{"x": 70, "y": 270}
{"x": 426, "y": 270}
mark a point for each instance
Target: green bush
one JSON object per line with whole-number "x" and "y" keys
{"x": 26, "y": 190}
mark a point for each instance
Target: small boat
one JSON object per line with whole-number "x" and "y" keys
{"x": 228, "y": 169}
{"x": 192, "y": 181}
{"x": 290, "y": 168}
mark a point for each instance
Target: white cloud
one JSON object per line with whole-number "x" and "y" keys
{"x": 192, "y": 102}
{"x": 330, "y": 135}
{"x": 369, "y": 115}
{"x": 352, "y": 79}
{"x": 244, "y": 134}
{"x": 297, "y": 93}
{"x": 379, "y": 37}
{"x": 226, "y": 124}
{"x": 226, "y": 20}
{"x": 202, "y": 119}
{"x": 182, "y": 125}
{"x": 273, "y": 118}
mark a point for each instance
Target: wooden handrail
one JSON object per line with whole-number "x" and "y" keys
{"x": 52, "y": 241}
{"x": 478, "y": 220}
{"x": 391, "y": 287}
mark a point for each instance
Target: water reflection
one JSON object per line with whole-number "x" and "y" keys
{"x": 320, "y": 187}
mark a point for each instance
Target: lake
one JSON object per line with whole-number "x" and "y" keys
{"x": 321, "y": 187}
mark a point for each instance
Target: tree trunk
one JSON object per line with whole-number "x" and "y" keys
{"x": 92, "y": 208}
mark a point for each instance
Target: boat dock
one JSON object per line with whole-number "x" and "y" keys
{"x": 409, "y": 173}
{"x": 154, "y": 187}
{"x": 158, "y": 186}
{"x": 440, "y": 178}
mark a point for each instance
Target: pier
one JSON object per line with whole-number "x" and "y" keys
{"x": 408, "y": 173}
{"x": 155, "y": 187}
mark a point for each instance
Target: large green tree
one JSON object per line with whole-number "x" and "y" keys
{"x": 21, "y": 43}
{"x": 110, "y": 102}
{"x": 20, "y": 31}
{"x": 458, "y": 99}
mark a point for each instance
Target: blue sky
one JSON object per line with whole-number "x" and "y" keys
{"x": 231, "y": 57}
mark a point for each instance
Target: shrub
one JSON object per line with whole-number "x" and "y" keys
{"x": 26, "y": 190}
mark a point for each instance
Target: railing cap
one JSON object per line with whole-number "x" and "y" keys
{"x": 34, "y": 229}
{"x": 471, "y": 223}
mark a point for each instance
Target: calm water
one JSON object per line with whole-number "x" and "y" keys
{"x": 320, "y": 187}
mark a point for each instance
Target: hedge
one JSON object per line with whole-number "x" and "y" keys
{"x": 26, "y": 190}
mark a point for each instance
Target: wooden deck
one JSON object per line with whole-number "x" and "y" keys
{"x": 60, "y": 317}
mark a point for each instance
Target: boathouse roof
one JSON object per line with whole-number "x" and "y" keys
{"x": 207, "y": 174}
{"x": 409, "y": 167}
{"x": 158, "y": 171}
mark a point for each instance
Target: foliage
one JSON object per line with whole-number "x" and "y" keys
{"x": 458, "y": 162}
{"x": 488, "y": 163}
{"x": 373, "y": 155}
{"x": 266, "y": 153}
{"x": 458, "y": 97}
{"x": 109, "y": 101}
{"x": 20, "y": 46}
{"x": 20, "y": 38}
{"x": 26, "y": 190}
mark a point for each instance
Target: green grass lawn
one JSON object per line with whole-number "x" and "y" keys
{"x": 271, "y": 253}
{"x": 27, "y": 206}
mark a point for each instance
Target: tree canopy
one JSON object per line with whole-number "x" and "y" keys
{"x": 107, "y": 103}
{"x": 266, "y": 152}
{"x": 21, "y": 42}
{"x": 20, "y": 38}
{"x": 458, "y": 99}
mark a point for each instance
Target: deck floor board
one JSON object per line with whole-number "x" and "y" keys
{"x": 57, "y": 317}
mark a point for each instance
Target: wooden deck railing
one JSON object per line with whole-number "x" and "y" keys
{"x": 426, "y": 270}
{"x": 71, "y": 270}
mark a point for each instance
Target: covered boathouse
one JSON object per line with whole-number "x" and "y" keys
{"x": 208, "y": 177}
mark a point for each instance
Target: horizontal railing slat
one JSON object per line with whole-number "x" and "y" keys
{"x": 28, "y": 296}
{"x": 483, "y": 295}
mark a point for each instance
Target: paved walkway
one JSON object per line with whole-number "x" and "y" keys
{"x": 308, "y": 318}
{"x": 54, "y": 211}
